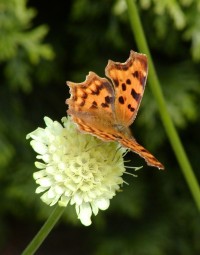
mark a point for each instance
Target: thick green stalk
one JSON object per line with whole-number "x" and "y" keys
{"x": 157, "y": 92}
{"x": 44, "y": 231}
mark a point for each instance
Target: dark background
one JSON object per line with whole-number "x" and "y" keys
{"x": 45, "y": 43}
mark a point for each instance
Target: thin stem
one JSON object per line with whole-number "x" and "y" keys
{"x": 157, "y": 92}
{"x": 44, "y": 231}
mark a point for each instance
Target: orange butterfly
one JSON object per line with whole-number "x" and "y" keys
{"x": 106, "y": 109}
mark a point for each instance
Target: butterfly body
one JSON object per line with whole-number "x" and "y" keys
{"x": 107, "y": 109}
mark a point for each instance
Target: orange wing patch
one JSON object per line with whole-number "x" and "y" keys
{"x": 129, "y": 79}
{"x": 94, "y": 93}
{"x": 106, "y": 109}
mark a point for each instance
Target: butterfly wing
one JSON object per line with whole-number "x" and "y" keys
{"x": 129, "y": 81}
{"x": 91, "y": 106}
{"x": 140, "y": 150}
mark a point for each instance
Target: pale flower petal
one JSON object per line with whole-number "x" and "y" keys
{"x": 85, "y": 214}
{"x": 48, "y": 121}
{"x": 38, "y": 135}
{"x": 39, "y": 147}
{"x": 40, "y": 165}
{"x": 95, "y": 208}
{"x": 39, "y": 174}
{"x": 40, "y": 189}
{"x": 103, "y": 203}
{"x": 44, "y": 181}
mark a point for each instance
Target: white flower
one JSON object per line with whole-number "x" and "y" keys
{"x": 76, "y": 168}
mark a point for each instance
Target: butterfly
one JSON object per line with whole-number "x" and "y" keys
{"x": 106, "y": 108}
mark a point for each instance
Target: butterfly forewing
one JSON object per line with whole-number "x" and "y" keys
{"x": 91, "y": 103}
{"x": 129, "y": 81}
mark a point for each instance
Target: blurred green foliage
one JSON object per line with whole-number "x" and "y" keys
{"x": 43, "y": 45}
{"x": 20, "y": 46}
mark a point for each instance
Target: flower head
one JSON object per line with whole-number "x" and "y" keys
{"x": 76, "y": 168}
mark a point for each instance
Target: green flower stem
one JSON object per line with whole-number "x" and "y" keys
{"x": 44, "y": 231}
{"x": 166, "y": 119}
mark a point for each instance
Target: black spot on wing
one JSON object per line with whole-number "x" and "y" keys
{"x": 123, "y": 86}
{"x": 104, "y": 105}
{"x": 82, "y": 103}
{"x": 121, "y": 100}
{"x": 94, "y": 105}
{"x": 135, "y": 95}
{"x": 136, "y": 74}
{"x": 116, "y": 82}
{"x": 95, "y": 91}
{"x": 132, "y": 109}
{"x": 84, "y": 95}
{"x": 141, "y": 78}
{"x": 128, "y": 81}
{"x": 108, "y": 100}
{"x": 122, "y": 67}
